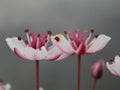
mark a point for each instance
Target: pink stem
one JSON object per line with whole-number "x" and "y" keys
{"x": 79, "y": 70}
{"x": 37, "y": 74}
{"x": 94, "y": 84}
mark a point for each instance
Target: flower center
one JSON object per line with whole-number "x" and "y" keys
{"x": 36, "y": 41}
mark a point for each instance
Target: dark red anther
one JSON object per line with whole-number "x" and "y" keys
{"x": 65, "y": 32}
{"x": 57, "y": 39}
{"x": 96, "y": 35}
{"x": 92, "y": 30}
{"x": 38, "y": 35}
{"x": 111, "y": 60}
{"x": 49, "y": 32}
{"x": 19, "y": 38}
{"x": 46, "y": 40}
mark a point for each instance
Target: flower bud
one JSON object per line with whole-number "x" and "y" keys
{"x": 97, "y": 69}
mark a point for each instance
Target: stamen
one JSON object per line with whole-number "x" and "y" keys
{"x": 28, "y": 36}
{"x": 111, "y": 60}
{"x": 92, "y": 30}
{"x": 21, "y": 41}
{"x": 46, "y": 40}
{"x": 65, "y": 32}
{"x": 67, "y": 35}
{"x": 96, "y": 35}
{"x": 49, "y": 32}
{"x": 38, "y": 35}
{"x": 57, "y": 39}
{"x": 26, "y": 30}
{"x": 1, "y": 81}
{"x": 119, "y": 54}
{"x": 19, "y": 38}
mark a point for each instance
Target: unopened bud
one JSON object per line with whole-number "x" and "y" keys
{"x": 97, "y": 69}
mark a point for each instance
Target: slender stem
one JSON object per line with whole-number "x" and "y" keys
{"x": 37, "y": 74}
{"x": 79, "y": 71}
{"x": 94, "y": 84}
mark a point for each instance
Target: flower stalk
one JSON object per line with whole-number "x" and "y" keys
{"x": 94, "y": 84}
{"x": 37, "y": 74}
{"x": 79, "y": 71}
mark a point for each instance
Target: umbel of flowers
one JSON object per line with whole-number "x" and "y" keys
{"x": 36, "y": 47}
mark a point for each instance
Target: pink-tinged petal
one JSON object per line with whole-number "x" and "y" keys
{"x": 19, "y": 54}
{"x": 98, "y": 44}
{"x": 27, "y": 52}
{"x": 53, "y": 53}
{"x": 14, "y": 42}
{"x": 2, "y": 87}
{"x": 62, "y": 44}
{"x": 114, "y": 67}
{"x": 40, "y": 54}
{"x": 62, "y": 56}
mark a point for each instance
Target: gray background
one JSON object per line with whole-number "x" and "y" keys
{"x": 58, "y": 15}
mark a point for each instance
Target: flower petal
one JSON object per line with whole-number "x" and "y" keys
{"x": 27, "y": 53}
{"x": 7, "y": 86}
{"x": 53, "y": 53}
{"x": 40, "y": 54}
{"x": 19, "y": 54}
{"x": 62, "y": 56}
{"x": 99, "y": 43}
{"x": 14, "y": 42}
{"x": 63, "y": 44}
{"x": 115, "y": 66}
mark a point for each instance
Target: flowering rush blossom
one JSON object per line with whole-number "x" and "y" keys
{"x": 114, "y": 65}
{"x": 4, "y": 87}
{"x": 80, "y": 43}
{"x": 35, "y": 47}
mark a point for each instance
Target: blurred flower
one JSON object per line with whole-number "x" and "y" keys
{"x": 97, "y": 69}
{"x": 4, "y": 87}
{"x": 41, "y": 88}
{"x": 35, "y": 47}
{"x": 114, "y": 66}
{"x": 80, "y": 43}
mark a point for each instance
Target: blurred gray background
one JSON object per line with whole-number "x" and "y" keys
{"x": 58, "y": 15}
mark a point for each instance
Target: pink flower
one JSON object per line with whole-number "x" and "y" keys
{"x": 4, "y": 87}
{"x": 114, "y": 66}
{"x": 35, "y": 47}
{"x": 80, "y": 43}
{"x": 97, "y": 69}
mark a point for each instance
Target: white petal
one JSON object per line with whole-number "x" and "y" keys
{"x": 99, "y": 43}
{"x": 7, "y": 86}
{"x": 115, "y": 66}
{"x": 40, "y": 54}
{"x": 14, "y": 42}
{"x": 53, "y": 53}
{"x": 27, "y": 52}
{"x": 62, "y": 56}
{"x": 63, "y": 44}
